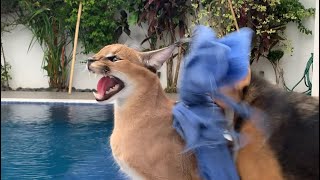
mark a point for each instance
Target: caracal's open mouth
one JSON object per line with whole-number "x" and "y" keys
{"x": 107, "y": 87}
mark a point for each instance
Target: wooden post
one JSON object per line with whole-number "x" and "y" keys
{"x": 233, "y": 15}
{"x": 75, "y": 47}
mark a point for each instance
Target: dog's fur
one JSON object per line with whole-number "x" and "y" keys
{"x": 293, "y": 123}
{"x": 145, "y": 145}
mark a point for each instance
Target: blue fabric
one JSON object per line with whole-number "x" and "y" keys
{"x": 211, "y": 64}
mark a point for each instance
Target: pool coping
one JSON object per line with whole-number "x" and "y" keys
{"x": 26, "y": 97}
{"x": 49, "y": 101}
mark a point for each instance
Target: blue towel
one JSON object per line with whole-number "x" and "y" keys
{"x": 211, "y": 64}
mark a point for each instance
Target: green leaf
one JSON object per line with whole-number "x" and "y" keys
{"x": 275, "y": 55}
{"x": 133, "y": 18}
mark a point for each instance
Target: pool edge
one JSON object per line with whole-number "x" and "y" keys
{"x": 50, "y": 101}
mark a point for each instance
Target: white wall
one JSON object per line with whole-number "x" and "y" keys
{"x": 315, "y": 79}
{"x": 294, "y": 65}
{"x": 26, "y": 66}
{"x": 81, "y": 77}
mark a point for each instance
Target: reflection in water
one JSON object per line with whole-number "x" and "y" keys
{"x": 56, "y": 142}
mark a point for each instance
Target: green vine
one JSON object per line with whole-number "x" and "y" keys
{"x": 102, "y": 22}
{"x": 267, "y": 18}
{"x": 165, "y": 19}
{"x": 5, "y": 76}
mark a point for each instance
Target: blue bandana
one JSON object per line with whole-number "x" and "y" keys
{"x": 211, "y": 64}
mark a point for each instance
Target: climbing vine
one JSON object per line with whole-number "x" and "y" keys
{"x": 267, "y": 18}
{"x": 102, "y": 22}
{"x": 166, "y": 20}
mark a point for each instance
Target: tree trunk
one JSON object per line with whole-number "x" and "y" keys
{"x": 170, "y": 87}
{"x": 175, "y": 80}
{"x": 5, "y": 65}
{"x": 169, "y": 72}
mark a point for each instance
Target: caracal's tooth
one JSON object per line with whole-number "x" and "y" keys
{"x": 96, "y": 95}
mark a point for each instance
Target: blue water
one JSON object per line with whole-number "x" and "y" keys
{"x": 56, "y": 142}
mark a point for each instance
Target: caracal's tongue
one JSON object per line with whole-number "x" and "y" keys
{"x": 103, "y": 85}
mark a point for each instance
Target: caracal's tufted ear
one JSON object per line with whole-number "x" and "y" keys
{"x": 156, "y": 58}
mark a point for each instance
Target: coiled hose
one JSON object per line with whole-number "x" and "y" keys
{"x": 306, "y": 78}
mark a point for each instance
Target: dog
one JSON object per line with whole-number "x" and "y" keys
{"x": 146, "y": 146}
{"x": 291, "y": 148}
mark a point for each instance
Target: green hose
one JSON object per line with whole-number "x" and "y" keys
{"x": 305, "y": 78}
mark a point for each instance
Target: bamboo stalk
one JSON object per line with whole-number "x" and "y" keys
{"x": 75, "y": 47}
{"x": 233, "y": 15}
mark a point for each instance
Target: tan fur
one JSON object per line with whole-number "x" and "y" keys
{"x": 256, "y": 160}
{"x": 143, "y": 137}
{"x": 235, "y": 92}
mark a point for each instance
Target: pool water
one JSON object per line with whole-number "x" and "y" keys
{"x": 57, "y": 141}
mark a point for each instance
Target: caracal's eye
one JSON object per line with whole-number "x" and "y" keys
{"x": 113, "y": 58}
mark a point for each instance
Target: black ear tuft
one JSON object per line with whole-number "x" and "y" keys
{"x": 151, "y": 68}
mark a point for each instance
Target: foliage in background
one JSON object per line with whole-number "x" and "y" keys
{"x": 267, "y": 18}
{"x": 163, "y": 17}
{"x": 102, "y": 22}
{"x": 5, "y": 68}
{"x": 46, "y": 20}
{"x": 274, "y": 58}
{"x": 5, "y": 76}
{"x": 8, "y": 7}
{"x": 166, "y": 19}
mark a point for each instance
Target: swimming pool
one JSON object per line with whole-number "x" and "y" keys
{"x": 56, "y": 141}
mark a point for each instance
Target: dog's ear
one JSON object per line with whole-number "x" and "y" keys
{"x": 156, "y": 58}
{"x": 244, "y": 82}
{"x": 235, "y": 92}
